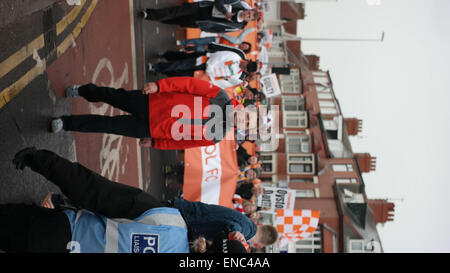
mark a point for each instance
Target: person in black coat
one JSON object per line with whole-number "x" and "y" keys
{"x": 30, "y": 228}
{"x": 219, "y": 16}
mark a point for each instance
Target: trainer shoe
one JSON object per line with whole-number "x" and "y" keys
{"x": 56, "y": 125}
{"x": 143, "y": 14}
{"x": 150, "y": 67}
{"x": 21, "y": 159}
{"x": 72, "y": 91}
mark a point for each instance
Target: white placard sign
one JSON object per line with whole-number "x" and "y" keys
{"x": 271, "y": 87}
{"x": 277, "y": 198}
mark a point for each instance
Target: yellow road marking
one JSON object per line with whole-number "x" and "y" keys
{"x": 68, "y": 19}
{"x": 21, "y": 55}
{"x": 76, "y": 31}
{"x": 14, "y": 89}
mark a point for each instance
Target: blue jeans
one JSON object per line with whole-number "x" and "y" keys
{"x": 208, "y": 220}
{"x": 199, "y": 44}
{"x": 182, "y": 67}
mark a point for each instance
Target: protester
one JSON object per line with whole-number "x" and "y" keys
{"x": 220, "y": 63}
{"x": 152, "y": 118}
{"x": 248, "y": 174}
{"x": 246, "y": 47}
{"x": 238, "y": 203}
{"x": 219, "y": 16}
{"x": 244, "y": 206}
{"x": 248, "y": 190}
{"x": 249, "y": 207}
{"x": 201, "y": 44}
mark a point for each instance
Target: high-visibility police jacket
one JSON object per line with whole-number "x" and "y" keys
{"x": 157, "y": 230}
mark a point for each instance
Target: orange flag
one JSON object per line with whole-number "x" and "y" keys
{"x": 210, "y": 173}
{"x": 297, "y": 224}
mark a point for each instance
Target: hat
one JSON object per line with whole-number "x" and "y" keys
{"x": 252, "y": 66}
{"x": 221, "y": 244}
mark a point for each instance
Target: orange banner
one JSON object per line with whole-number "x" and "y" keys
{"x": 210, "y": 173}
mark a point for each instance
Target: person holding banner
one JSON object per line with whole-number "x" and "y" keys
{"x": 115, "y": 217}
{"x": 170, "y": 114}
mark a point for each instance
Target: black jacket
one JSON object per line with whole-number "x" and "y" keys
{"x": 222, "y": 25}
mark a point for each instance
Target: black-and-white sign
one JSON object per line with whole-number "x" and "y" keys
{"x": 271, "y": 87}
{"x": 277, "y": 198}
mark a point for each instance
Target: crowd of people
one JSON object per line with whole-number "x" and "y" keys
{"x": 229, "y": 62}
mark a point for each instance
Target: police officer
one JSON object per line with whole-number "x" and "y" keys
{"x": 114, "y": 217}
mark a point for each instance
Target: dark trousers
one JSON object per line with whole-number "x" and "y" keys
{"x": 184, "y": 15}
{"x": 133, "y": 102}
{"x": 172, "y": 55}
{"x": 29, "y": 228}
{"x": 183, "y": 67}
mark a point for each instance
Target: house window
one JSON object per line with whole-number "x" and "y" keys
{"x": 311, "y": 244}
{"x": 345, "y": 180}
{"x": 327, "y": 107}
{"x": 300, "y": 180}
{"x": 293, "y": 103}
{"x": 326, "y": 103}
{"x": 356, "y": 246}
{"x": 319, "y": 74}
{"x": 269, "y": 181}
{"x": 332, "y": 134}
{"x": 268, "y": 163}
{"x": 323, "y": 89}
{"x": 308, "y": 193}
{"x": 290, "y": 88}
{"x": 321, "y": 80}
{"x": 328, "y": 111}
{"x": 298, "y": 144}
{"x": 324, "y": 96}
{"x": 295, "y": 119}
{"x": 330, "y": 124}
{"x": 290, "y": 83}
{"x": 352, "y": 197}
{"x": 270, "y": 144}
{"x": 342, "y": 167}
{"x": 300, "y": 163}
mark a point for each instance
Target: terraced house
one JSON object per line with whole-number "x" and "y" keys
{"x": 313, "y": 155}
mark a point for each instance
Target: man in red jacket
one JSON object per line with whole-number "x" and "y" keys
{"x": 170, "y": 114}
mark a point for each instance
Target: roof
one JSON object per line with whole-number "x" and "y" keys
{"x": 357, "y": 219}
{"x": 291, "y": 11}
{"x": 348, "y": 151}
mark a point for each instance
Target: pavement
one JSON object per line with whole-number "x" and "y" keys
{"x": 48, "y": 45}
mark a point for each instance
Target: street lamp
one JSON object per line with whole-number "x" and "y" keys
{"x": 300, "y": 1}
{"x": 297, "y": 38}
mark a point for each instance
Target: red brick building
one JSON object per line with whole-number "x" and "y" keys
{"x": 312, "y": 154}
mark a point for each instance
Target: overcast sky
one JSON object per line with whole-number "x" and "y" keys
{"x": 399, "y": 89}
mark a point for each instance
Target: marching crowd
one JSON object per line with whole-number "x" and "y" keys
{"x": 98, "y": 215}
